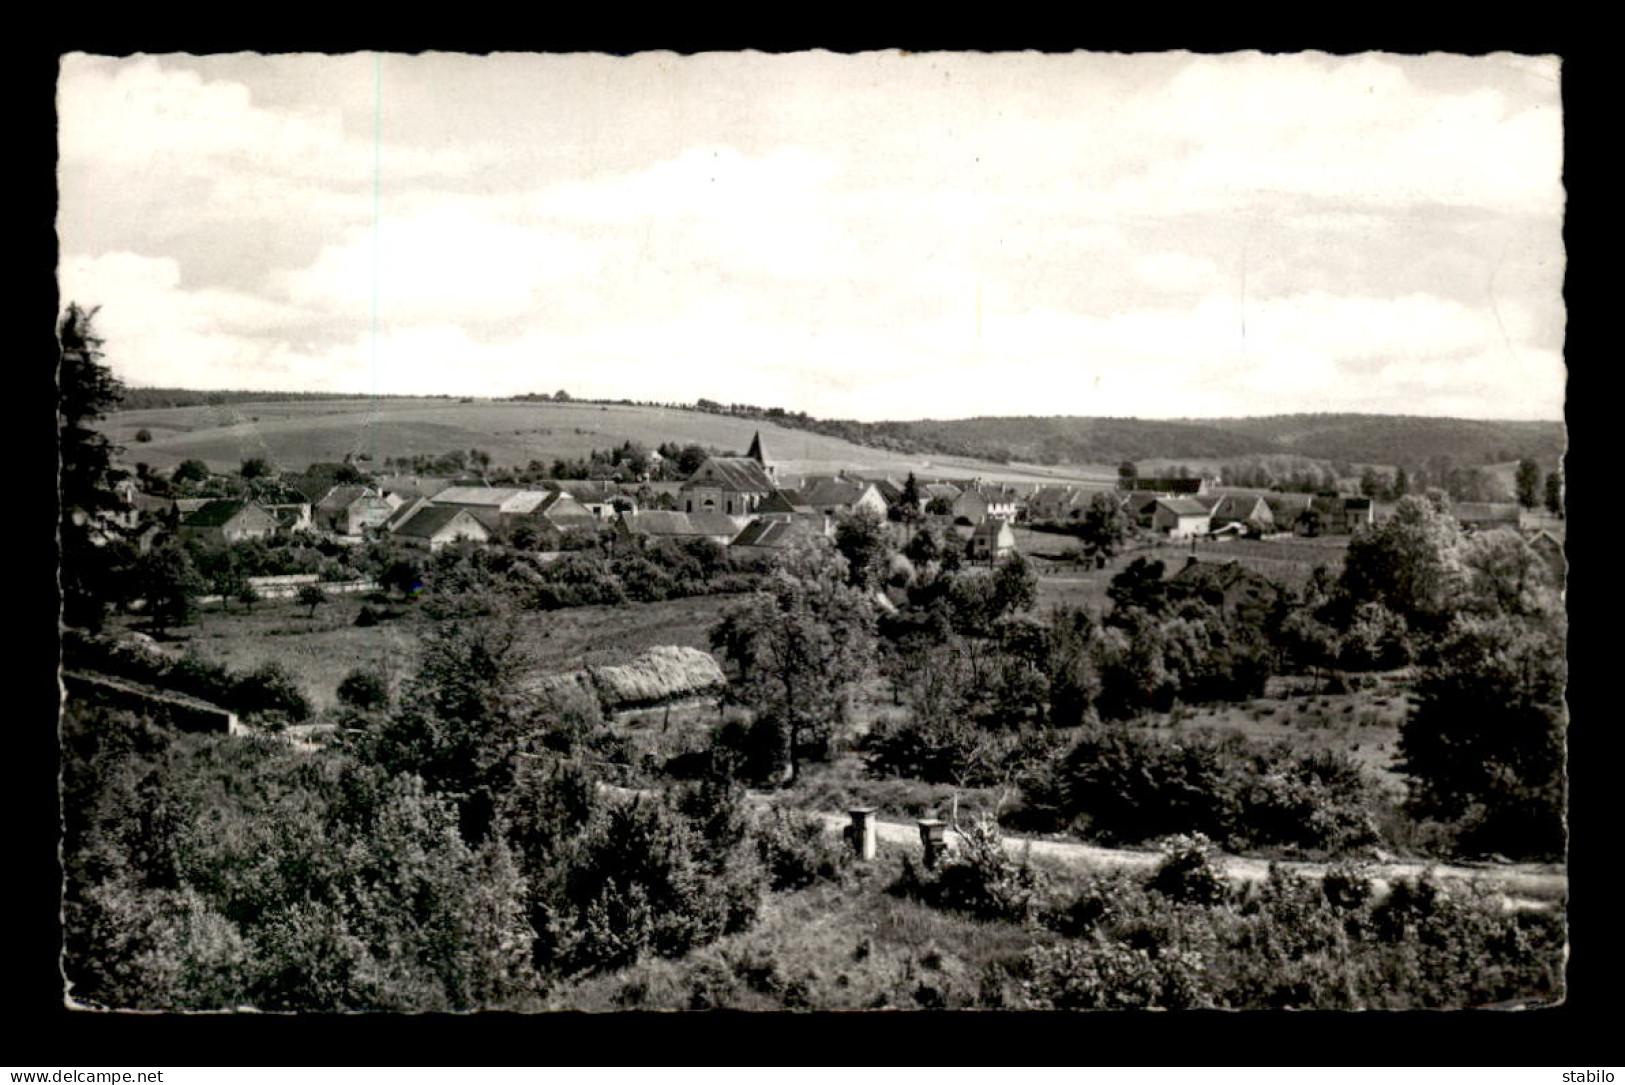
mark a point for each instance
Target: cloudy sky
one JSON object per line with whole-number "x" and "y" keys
{"x": 871, "y": 236}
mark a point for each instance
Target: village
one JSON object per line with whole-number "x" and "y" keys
{"x": 742, "y": 504}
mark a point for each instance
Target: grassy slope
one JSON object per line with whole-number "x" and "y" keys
{"x": 295, "y": 434}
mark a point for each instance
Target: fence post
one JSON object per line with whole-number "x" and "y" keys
{"x": 932, "y": 832}
{"x": 861, "y": 833}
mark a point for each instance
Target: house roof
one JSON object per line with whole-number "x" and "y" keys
{"x": 1483, "y": 512}
{"x": 656, "y": 522}
{"x": 1169, "y": 485}
{"x": 563, "y": 506}
{"x": 940, "y": 489}
{"x": 828, "y": 492}
{"x": 783, "y": 501}
{"x": 341, "y": 497}
{"x": 429, "y": 520}
{"x": 1240, "y": 507}
{"x": 735, "y": 473}
{"x": 490, "y": 497}
{"x": 774, "y": 534}
{"x": 996, "y": 528}
{"x": 221, "y": 513}
{"x": 1182, "y": 506}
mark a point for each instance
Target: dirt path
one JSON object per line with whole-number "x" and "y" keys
{"x": 1523, "y": 886}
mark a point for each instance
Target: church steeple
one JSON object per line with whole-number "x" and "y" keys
{"x": 756, "y": 454}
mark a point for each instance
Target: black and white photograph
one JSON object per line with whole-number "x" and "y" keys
{"x": 811, "y": 532}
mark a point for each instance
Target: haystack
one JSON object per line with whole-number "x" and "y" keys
{"x": 660, "y": 674}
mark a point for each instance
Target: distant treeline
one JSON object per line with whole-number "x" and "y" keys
{"x": 150, "y": 399}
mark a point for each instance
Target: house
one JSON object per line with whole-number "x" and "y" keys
{"x": 978, "y": 502}
{"x": 291, "y": 508}
{"x": 786, "y": 506}
{"x": 1552, "y": 552}
{"x": 1139, "y": 505}
{"x": 1229, "y": 587}
{"x": 597, "y": 497}
{"x": 1057, "y": 503}
{"x": 350, "y": 509}
{"x": 640, "y": 526}
{"x": 842, "y": 497}
{"x": 228, "y": 522}
{"x": 1482, "y": 516}
{"x": 992, "y": 540}
{"x": 1180, "y": 517}
{"x": 938, "y": 491}
{"x": 562, "y": 510}
{"x": 1251, "y": 511}
{"x": 762, "y": 538}
{"x": 435, "y": 526}
{"x": 504, "y": 501}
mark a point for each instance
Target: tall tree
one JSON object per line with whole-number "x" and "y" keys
{"x": 800, "y": 648}
{"x": 861, "y": 539}
{"x": 910, "y": 508}
{"x": 1554, "y": 493}
{"x": 1528, "y": 481}
{"x": 86, "y": 391}
{"x": 1412, "y": 564}
{"x": 1103, "y": 528}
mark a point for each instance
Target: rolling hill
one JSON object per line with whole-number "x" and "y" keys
{"x": 294, "y": 434}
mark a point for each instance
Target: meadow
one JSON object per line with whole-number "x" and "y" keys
{"x": 293, "y": 435}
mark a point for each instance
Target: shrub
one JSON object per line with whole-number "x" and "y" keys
{"x": 978, "y": 877}
{"x": 270, "y": 689}
{"x": 797, "y": 851}
{"x": 1191, "y": 871}
{"x": 364, "y": 689}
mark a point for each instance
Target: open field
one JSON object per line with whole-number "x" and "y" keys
{"x": 319, "y": 652}
{"x": 292, "y": 435}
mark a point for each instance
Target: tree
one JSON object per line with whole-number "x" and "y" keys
{"x": 800, "y": 648}
{"x": 861, "y": 540}
{"x": 1411, "y": 564}
{"x": 1554, "y": 493}
{"x": 910, "y": 508}
{"x": 1528, "y": 483}
{"x": 1127, "y": 475}
{"x": 312, "y": 596}
{"x": 1138, "y": 587}
{"x": 1015, "y": 586}
{"x": 364, "y": 689}
{"x": 170, "y": 583}
{"x": 462, "y": 718}
{"x": 189, "y": 472}
{"x": 1484, "y": 742}
{"x": 1102, "y": 528}
{"x": 86, "y": 392}
{"x": 256, "y": 467}
{"x": 143, "y": 435}
{"x": 1402, "y": 485}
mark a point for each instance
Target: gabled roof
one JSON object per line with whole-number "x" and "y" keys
{"x": 737, "y": 474}
{"x": 775, "y": 534}
{"x": 489, "y": 497}
{"x": 221, "y": 513}
{"x": 430, "y": 520}
{"x": 563, "y": 506}
{"x": 994, "y": 527}
{"x": 783, "y": 501}
{"x": 1182, "y": 506}
{"x": 1240, "y": 507}
{"x": 825, "y": 493}
{"x": 341, "y": 497}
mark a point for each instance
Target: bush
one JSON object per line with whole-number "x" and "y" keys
{"x": 270, "y": 689}
{"x": 1124, "y": 786}
{"x": 797, "y": 851}
{"x": 1191, "y": 871}
{"x": 364, "y": 689}
{"x": 979, "y": 878}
